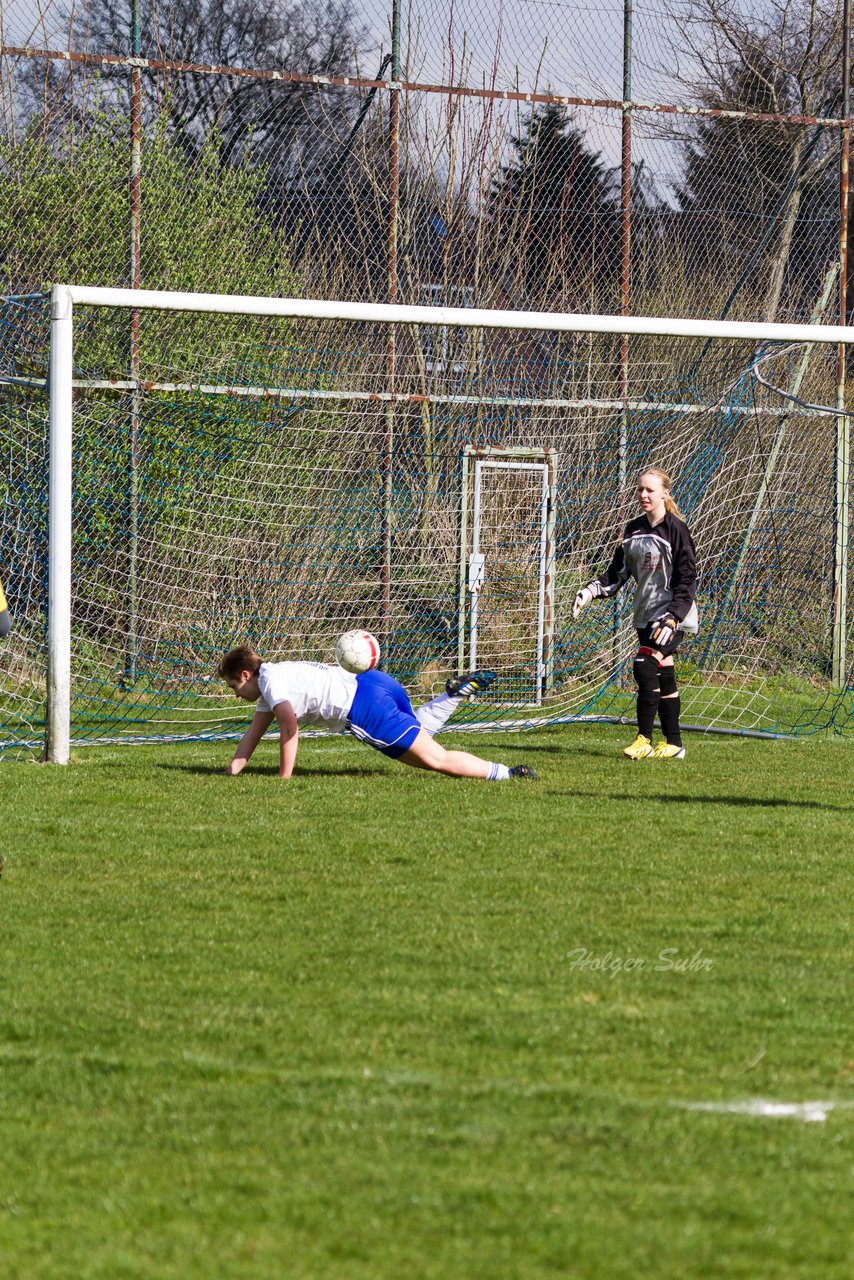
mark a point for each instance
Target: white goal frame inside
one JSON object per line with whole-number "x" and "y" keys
{"x": 64, "y": 299}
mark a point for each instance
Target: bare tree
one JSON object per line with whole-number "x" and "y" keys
{"x": 754, "y": 180}
{"x": 289, "y": 126}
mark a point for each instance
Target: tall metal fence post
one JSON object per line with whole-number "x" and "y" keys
{"x": 58, "y": 711}
{"x": 843, "y": 421}
{"x": 625, "y": 221}
{"x": 132, "y": 653}
{"x": 625, "y": 277}
{"x": 392, "y": 288}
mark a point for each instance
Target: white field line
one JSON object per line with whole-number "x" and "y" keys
{"x": 768, "y": 1109}
{"x": 764, "y": 1108}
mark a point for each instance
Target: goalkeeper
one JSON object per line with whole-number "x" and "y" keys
{"x": 5, "y": 616}
{"x": 658, "y": 552}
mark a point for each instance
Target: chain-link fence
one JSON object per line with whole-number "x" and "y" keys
{"x": 685, "y": 158}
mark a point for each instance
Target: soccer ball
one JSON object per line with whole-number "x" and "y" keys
{"x": 357, "y": 651}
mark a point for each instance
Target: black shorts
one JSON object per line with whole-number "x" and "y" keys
{"x": 666, "y": 650}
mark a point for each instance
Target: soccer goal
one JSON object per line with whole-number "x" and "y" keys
{"x": 182, "y": 472}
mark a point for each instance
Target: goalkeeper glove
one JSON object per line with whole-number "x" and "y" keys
{"x": 663, "y": 629}
{"x": 582, "y": 599}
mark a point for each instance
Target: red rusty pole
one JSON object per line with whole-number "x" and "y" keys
{"x": 625, "y": 228}
{"x": 392, "y": 288}
{"x": 843, "y": 422}
{"x": 132, "y": 649}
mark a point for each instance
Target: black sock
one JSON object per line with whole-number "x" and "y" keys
{"x": 647, "y": 705}
{"x": 668, "y": 714}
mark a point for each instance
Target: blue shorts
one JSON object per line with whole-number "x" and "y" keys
{"x": 382, "y": 714}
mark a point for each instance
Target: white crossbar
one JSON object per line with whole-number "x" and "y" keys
{"x": 460, "y": 317}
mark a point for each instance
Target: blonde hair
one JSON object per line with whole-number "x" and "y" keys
{"x": 667, "y": 485}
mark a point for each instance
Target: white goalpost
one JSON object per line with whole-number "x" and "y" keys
{"x": 289, "y": 467}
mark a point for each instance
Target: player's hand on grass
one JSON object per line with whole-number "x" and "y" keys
{"x": 582, "y": 600}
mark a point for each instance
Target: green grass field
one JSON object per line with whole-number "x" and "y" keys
{"x": 373, "y": 1023}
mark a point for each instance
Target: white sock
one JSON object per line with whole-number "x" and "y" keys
{"x": 498, "y": 773}
{"x": 435, "y": 712}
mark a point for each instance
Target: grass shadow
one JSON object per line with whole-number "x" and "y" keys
{"x": 216, "y": 770}
{"x": 737, "y": 802}
{"x": 504, "y": 745}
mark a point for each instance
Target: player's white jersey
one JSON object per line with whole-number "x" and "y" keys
{"x": 319, "y": 692}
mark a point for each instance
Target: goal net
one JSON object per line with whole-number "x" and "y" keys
{"x": 182, "y": 473}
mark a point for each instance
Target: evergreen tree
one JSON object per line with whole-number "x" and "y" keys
{"x": 554, "y": 214}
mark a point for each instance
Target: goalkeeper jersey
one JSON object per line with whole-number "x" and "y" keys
{"x": 663, "y": 563}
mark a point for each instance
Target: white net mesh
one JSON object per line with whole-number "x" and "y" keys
{"x": 278, "y": 481}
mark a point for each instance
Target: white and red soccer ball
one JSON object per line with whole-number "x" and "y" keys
{"x": 357, "y": 651}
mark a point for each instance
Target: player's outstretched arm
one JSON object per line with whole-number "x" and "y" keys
{"x": 609, "y": 583}
{"x": 261, "y": 722}
{"x": 288, "y": 737}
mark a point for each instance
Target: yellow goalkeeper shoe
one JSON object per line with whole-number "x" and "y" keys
{"x": 640, "y": 748}
{"x": 667, "y": 751}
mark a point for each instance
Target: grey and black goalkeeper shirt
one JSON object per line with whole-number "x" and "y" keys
{"x": 663, "y": 563}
